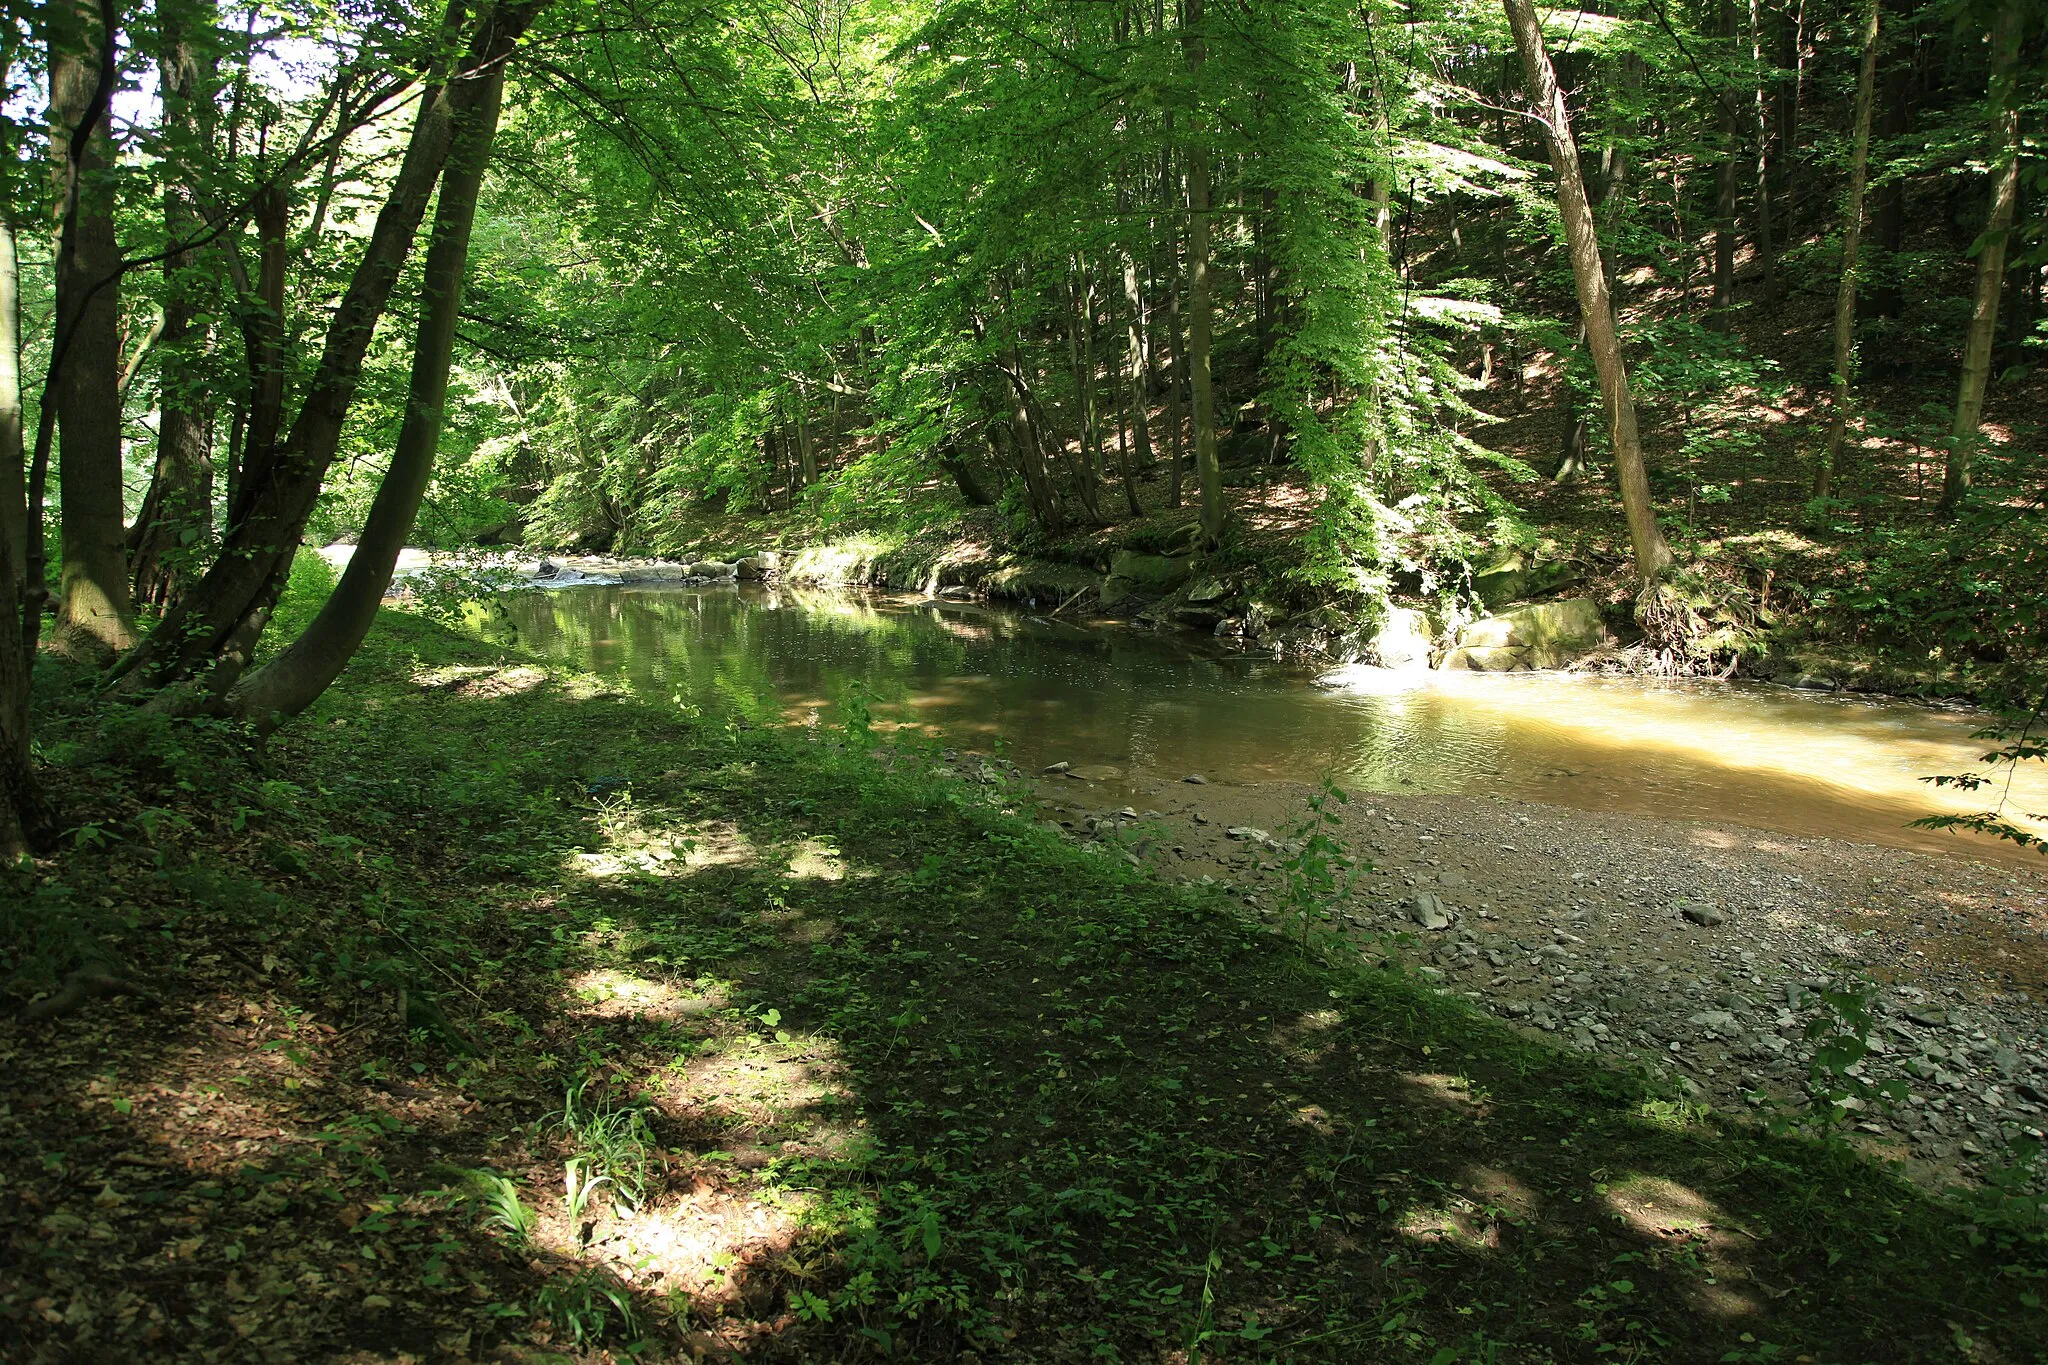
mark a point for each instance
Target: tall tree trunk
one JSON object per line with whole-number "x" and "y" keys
{"x": 1888, "y": 218}
{"x": 263, "y": 333}
{"x": 2005, "y": 190}
{"x": 1726, "y": 179}
{"x": 1766, "y": 243}
{"x": 18, "y": 797}
{"x": 178, "y": 516}
{"x": 200, "y": 648}
{"x": 94, "y": 613}
{"x": 1139, "y": 366}
{"x": 1652, "y": 554}
{"x": 806, "y": 453}
{"x": 1208, "y": 470}
{"x": 1852, "y": 241}
{"x": 295, "y": 679}
{"x": 1176, "y": 354}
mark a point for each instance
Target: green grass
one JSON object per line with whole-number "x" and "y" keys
{"x": 911, "y": 1078}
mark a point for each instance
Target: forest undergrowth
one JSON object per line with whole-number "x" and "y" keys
{"x": 495, "y": 1014}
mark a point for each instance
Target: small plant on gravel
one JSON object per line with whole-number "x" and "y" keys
{"x": 1318, "y": 873}
{"x": 1840, "y": 1031}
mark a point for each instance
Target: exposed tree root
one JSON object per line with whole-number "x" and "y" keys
{"x": 85, "y": 984}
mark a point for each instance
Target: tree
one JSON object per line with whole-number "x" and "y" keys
{"x": 94, "y": 614}
{"x": 1208, "y": 471}
{"x": 1852, "y": 240}
{"x": 1652, "y": 553}
{"x": 2005, "y": 192}
{"x": 295, "y": 679}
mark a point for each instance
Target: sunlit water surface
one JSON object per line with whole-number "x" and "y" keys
{"x": 1134, "y": 707}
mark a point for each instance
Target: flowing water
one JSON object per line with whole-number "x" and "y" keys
{"x": 1131, "y": 708}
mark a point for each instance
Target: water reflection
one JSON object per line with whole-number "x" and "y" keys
{"x": 1161, "y": 706}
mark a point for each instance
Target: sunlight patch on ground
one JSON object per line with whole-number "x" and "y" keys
{"x": 816, "y": 860}
{"x": 1656, "y": 1207}
{"x": 1459, "y": 1223}
{"x": 608, "y": 994}
{"x": 1446, "y": 1092}
{"x": 1500, "y": 1191}
{"x": 670, "y": 851}
{"x": 481, "y": 683}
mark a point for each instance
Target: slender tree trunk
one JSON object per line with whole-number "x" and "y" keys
{"x": 1138, "y": 368}
{"x": 1208, "y": 470}
{"x": 1852, "y": 241}
{"x": 1653, "y": 555}
{"x": 1176, "y": 354}
{"x": 94, "y": 613}
{"x": 18, "y": 795}
{"x": 295, "y": 679}
{"x": 13, "y": 488}
{"x": 2005, "y": 189}
{"x": 1726, "y": 179}
{"x": 263, "y": 333}
{"x": 177, "y": 518}
{"x": 806, "y": 454}
{"x": 1766, "y": 243}
{"x": 1888, "y": 218}
{"x": 200, "y": 648}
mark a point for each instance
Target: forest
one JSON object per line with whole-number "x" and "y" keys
{"x": 814, "y": 680}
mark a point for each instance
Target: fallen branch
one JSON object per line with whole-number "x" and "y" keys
{"x": 85, "y": 984}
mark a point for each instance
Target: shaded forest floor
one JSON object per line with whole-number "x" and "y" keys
{"x": 865, "y": 1064}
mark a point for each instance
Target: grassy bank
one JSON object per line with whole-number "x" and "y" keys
{"x": 841, "y": 1059}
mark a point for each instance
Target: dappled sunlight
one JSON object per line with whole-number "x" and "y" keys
{"x": 476, "y": 683}
{"x": 1501, "y": 1192}
{"x": 1445, "y": 1091}
{"x": 1655, "y": 1207}
{"x": 606, "y": 993}
{"x": 816, "y": 860}
{"x": 668, "y": 850}
{"x": 1459, "y": 1223}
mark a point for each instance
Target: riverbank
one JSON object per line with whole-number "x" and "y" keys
{"x": 868, "y": 1061}
{"x": 1696, "y": 952}
{"x": 1766, "y": 606}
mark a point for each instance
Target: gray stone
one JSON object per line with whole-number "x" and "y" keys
{"x": 1148, "y": 575}
{"x": 1552, "y": 632}
{"x": 1429, "y": 912}
{"x": 1706, "y": 916}
{"x": 713, "y": 568}
{"x": 1248, "y": 834}
{"x": 1516, "y": 574}
{"x": 1403, "y": 639}
{"x": 1197, "y": 779}
{"x": 1060, "y": 767}
{"x": 1928, "y": 1018}
{"x": 1208, "y": 590}
{"x": 1504, "y": 659}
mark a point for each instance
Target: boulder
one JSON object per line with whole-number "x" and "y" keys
{"x": 1504, "y": 659}
{"x": 757, "y": 567}
{"x": 1206, "y": 591}
{"x": 1403, "y": 639}
{"x": 713, "y": 568}
{"x": 1516, "y": 574}
{"x": 1550, "y": 633}
{"x": 1429, "y": 911}
{"x": 1152, "y": 574}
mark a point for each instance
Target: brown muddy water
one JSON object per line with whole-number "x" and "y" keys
{"x": 1131, "y": 709}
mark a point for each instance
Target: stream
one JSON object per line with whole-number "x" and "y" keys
{"x": 1129, "y": 708}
